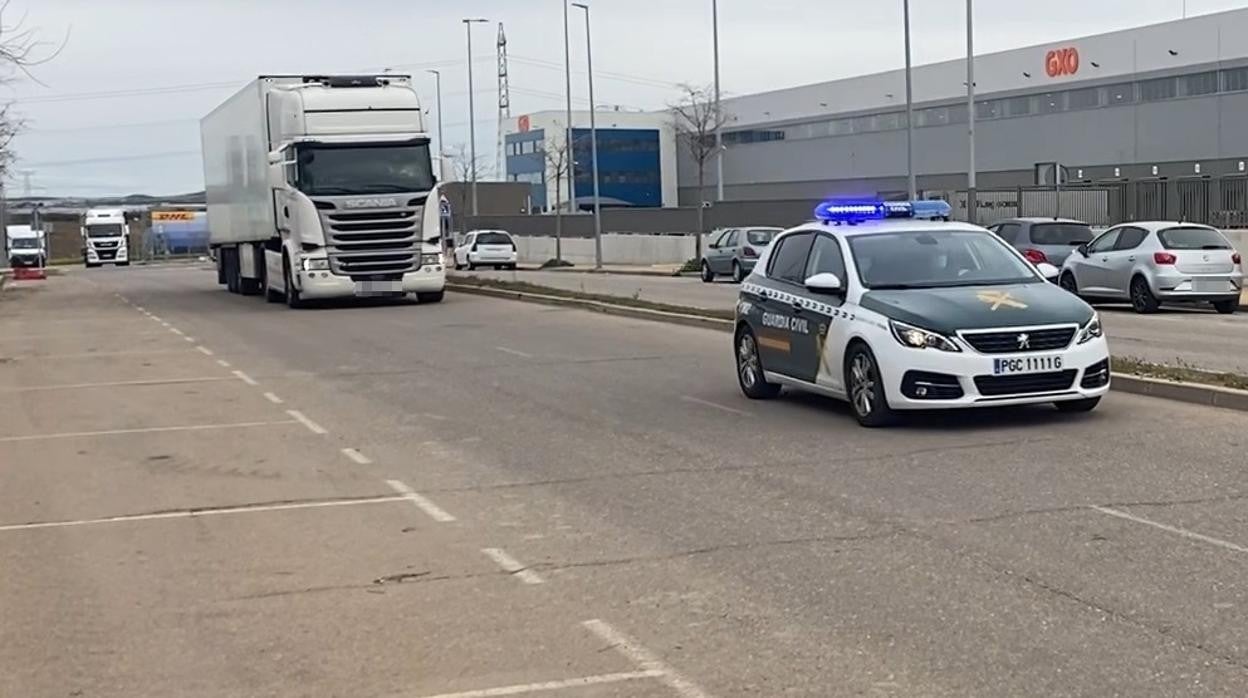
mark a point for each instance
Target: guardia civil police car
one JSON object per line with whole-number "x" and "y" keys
{"x": 891, "y": 307}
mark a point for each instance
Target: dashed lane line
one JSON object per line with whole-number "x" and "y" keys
{"x": 645, "y": 659}
{"x": 273, "y": 399}
{"x": 311, "y": 425}
{"x": 434, "y": 511}
{"x": 356, "y": 456}
{"x": 141, "y": 430}
{"x": 204, "y": 350}
{"x": 1191, "y": 535}
{"x": 246, "y": 378}
{"x": 512, "y": 566}
{"x": 715, "y": 405}
{"x": 515, "y": 352}
{"x": 223, "y": 363}
{"x": 207, "y": 511}
{"x": 545, "y": 686}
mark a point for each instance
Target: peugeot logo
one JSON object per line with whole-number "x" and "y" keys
{"x": 371, "y": 203}
{"x": 1024, "y": 341}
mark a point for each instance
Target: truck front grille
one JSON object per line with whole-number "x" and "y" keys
{"x": 373, "y": 243}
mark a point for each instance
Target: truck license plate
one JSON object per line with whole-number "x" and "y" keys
{"x": 1026, "y": 364}
{"x": 378, "y": 288}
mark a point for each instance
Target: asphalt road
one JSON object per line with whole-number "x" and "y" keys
{"x": 545, "y": 501}
{"x": 1193, "y": 336}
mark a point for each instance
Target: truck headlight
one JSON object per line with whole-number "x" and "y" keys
{"x": 1092, "y": 330}
{"x": 316, "y": 264}
{"x": 427, "y": 260}
{"x": 919, "y": 338}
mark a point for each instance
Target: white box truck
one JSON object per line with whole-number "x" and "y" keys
{"x": 27, "y": 246}
{"x": 105, "y": 237}
{"x": 323, "y": 187}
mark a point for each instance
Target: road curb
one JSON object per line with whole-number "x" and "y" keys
{"x": 690, "y": 320}
{"x": 1193, "y": 393}
{"x": 610, "y": 272}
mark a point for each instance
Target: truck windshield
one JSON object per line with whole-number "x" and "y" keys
{"x": 24, "y": 244}
{"x": 329, "y": 170}
{"x": 104, "y": 230}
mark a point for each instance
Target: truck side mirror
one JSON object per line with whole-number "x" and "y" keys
{"x": 277, "y": 170}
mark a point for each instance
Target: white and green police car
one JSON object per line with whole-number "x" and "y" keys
{"x": 890, "y": 307}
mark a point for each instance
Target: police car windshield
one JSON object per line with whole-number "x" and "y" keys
{"x": 936, "y": 259}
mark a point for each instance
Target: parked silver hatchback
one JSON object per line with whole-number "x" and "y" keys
{"x": 1157, "y": 262}
{"x": 735, "y": 251}
{"x": 1044, "y": 240}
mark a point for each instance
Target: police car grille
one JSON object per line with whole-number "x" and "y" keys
{"x": 1025, "y": 384}
{"x": 1010, "y": 342}
{"x": 373, "y": 242}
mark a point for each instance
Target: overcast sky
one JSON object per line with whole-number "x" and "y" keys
{"x": 118, "y": 109}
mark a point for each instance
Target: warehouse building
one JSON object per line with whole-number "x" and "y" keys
{"x": 1160, "y": 102}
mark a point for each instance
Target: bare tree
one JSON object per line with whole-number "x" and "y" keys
{"x": 696, "y": 118}
{"x": 461, "y": 163}
{"x": 558, "y": 168}
{"x": 20, "y": 50}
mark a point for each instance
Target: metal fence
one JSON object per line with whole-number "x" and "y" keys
{"x": 1217, "y": 201}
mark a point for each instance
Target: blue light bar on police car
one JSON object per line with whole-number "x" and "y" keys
{"x": 857, "y": 211}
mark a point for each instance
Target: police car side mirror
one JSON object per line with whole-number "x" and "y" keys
{"x": 1048, "y": 271}
{"x": 826, "y": 282}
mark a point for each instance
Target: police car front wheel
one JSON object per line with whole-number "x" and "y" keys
{"x": 866, "y": 389}
{"x": 750, "y": 369}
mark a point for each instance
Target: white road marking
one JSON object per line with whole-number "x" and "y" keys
{"x": 434, "y": 511}
{"x": 213, "y": 511}
{"x": 273, "y": 398}
{"x": 141, "y": 430}
{"x": 1173, "y": 529}
{"x": 645, "y": 659}
{"x": 111, "y": 384}
{"x": 204, "y": 350}
{"x": 140, "y": 308}
{"x": 715, "y": 405}
{"x": 512, "y": 566}
{"x": 189, "y": 338}
{"x": 442, "y": 442}
{"x": 246, "y": 378}
{"x": 177, "y": 331}
{"x": 514, "y": 352}
{"x": 95, "y": 335}
{"x": 521, "y": 689}
{"x": 436, "y": 417}
{"x": 156, "y": 318}
{"x": 356, "y": 456}
{"x": 165, "y": 324}
{"x": 223, "y": 363}
{"x": 303, "y": 419}
{"x": 94, "y": 354}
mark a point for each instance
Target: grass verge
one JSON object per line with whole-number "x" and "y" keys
{"x": 1180, "y": 373}
{"x": 625, "y": 301}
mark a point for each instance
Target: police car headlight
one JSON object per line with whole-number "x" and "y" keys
{"x": 1092, "y": 330}
{"x": 919, "y": 338}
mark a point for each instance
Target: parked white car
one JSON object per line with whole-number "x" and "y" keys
{"x": 486, "y": 248}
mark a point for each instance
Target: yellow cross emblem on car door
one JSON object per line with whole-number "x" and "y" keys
{"x": 999, "y": 298}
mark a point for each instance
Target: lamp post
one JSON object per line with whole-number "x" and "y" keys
{"x": 472, "y": 115}
{"x": 719, "y": 121}
{"x": 972, "y": 196}
{"x": 910, "y": 178}
{"x": 438, "y": 82}
{"x": 567, "y": 76}
{"x": 593, "y": 140}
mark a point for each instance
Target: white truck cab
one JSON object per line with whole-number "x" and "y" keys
{"x": 105, "y": 237}
{"x": 323, "y": 187}
{"x": 27, "y": 247}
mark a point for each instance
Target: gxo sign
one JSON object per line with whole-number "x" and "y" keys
{"x": 1062, "y": 61}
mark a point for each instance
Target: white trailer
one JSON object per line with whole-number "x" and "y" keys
{"x": 105, "y": 237}
{"x": 323, "y": 187}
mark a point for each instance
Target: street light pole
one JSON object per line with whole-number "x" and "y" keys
{"x": 441, "y": 142}
{"x": 472, "y": 116}
{"x": 593, "y": 139}
{"x": 567, "y": 136}
{"x": 910, "y": 178}
{"x": 719, "y": 121}
{"x": 972, "y": 194}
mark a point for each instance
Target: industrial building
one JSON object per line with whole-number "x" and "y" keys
{"x": 636, "y": 158}
{"x": 1165, "y": 103}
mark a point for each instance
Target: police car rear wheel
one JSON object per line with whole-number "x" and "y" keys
{"x": 866, "y": 390}
{"x": 750, "y": 369}
{"x": 707, "y": 275}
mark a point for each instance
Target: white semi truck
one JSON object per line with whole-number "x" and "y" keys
{"x": 105, "y": 237}
{"x": 323, "y": 187}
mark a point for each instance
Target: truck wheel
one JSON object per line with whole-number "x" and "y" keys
{"x": 292, "y": 294}
{"x": 430, "y": 297}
